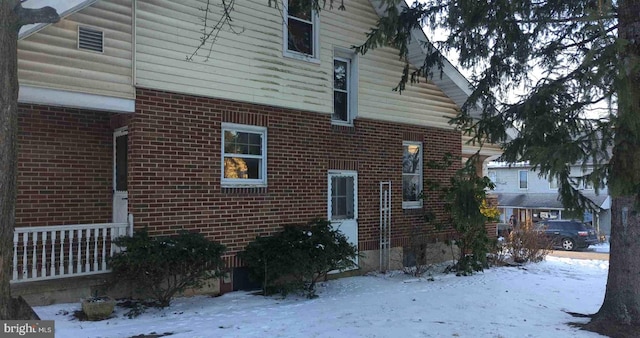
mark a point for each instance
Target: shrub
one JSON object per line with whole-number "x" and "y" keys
{"x": 525, "y": 244}
{"x": 464, "y": 200}
{"x": 498, "y": 253}
{"x": 422, "y": 251}
{"x": 298, "y": 257}
{"x": 164, "y": 266}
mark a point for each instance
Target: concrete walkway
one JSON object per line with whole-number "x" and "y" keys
{"x": 603, "y": 256}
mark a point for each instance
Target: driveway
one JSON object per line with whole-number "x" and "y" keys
{"x": 586, "y": 254}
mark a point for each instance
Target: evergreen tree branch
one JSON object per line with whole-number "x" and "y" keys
{"x": 27, "y": 16}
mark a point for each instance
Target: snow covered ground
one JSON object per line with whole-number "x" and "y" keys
{"x": 602, "y": 247}
{"x": 531, "y": 301}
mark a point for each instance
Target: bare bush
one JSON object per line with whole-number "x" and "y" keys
{"x": 499, "y": 253}
{"x": 527, "y": 244}
{"x": 416, "y": 254}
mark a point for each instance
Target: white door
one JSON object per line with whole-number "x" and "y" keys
{"x": 343, "y": 203}
{"x": 120, "y": 195}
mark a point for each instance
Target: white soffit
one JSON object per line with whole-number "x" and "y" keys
{"x": 63, "y": 7}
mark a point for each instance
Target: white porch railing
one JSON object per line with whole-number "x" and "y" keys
{"x": 50, "y": 252}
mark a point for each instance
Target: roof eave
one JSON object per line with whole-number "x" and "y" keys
{"x": 455, "y": 85}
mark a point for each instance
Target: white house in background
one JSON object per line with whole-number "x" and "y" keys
{"x": 523, "y": 193}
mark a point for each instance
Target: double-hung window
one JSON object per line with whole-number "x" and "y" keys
{"x": 586, "y": 185}
{"x": 301, "y": 30}
{"x": 341, "y": 79}
{"x": 493, "y": 176}
{"x": 523, "y": 176}
{"x": 411, "y": 175}
{"x": 244, "y": 155}
{"x": 345, "y": 87}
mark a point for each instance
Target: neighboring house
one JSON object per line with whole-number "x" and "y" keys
{"x": 282, "y": 124}
{"x": 523, "y": 193}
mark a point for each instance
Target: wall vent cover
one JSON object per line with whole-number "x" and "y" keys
{"x": 90, "y": 39}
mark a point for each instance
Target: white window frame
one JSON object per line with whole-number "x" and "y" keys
{"x": 526, "y": 181}
{"x": 315, "y": 23}
{"x": 352, "y": 85}
{"x": 238, "y": 182}
{"x": 413, "y": 204}
{"x": 553, "y": 184}
{"x": 342, "y": 173}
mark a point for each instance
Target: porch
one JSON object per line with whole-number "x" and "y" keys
{"x": 54, "y": 252}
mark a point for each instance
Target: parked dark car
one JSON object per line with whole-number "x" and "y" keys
{"x": 567, "y": 235}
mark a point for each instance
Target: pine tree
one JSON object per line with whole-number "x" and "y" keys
{"x": 577, "y": 65}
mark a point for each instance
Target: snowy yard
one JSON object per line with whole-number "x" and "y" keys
{"x": 500, "y": 302}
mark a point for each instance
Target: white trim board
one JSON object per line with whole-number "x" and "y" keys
{"x": 63, "y": 98}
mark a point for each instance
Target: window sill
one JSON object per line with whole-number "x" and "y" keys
{"x": 342, "y": 123}
{"x": 411, "y": 206}
{"x": 301, "y": 57}
{"x": 243, "y": 185}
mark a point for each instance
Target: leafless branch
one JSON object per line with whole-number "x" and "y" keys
{"x": 210, "y": 33}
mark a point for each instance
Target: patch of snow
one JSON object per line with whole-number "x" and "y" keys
{"x": 600, "y": 247}
{"x": 530, "y": 301}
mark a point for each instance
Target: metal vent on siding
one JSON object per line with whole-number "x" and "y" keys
{"x": 90, "y": 39}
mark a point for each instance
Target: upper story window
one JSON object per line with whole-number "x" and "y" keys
{"x": 301, "y": 31}
{"x": 411, "y": 174}
{"x": 553, "y": 183}
{"x": 585, "y": 184}
{"x": 523, "y": 176}
{"x": 345, "y": 88}
{"x": 244, "y": 155}
{"x": 341, "y": 68}
{"x": 493, "y": 176}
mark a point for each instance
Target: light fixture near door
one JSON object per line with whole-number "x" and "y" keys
{"x": 90, "y": 39}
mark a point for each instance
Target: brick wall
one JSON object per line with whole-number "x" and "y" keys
{"x": 64, "y": 166}
{"x": 175, "y": 168}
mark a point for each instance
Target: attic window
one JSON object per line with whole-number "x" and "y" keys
{"x": 90, "y": 39}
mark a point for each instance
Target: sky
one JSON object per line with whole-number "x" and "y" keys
{"x": 502, "y": 302}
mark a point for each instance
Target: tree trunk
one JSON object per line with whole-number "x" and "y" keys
{"x": 8, "y": 147}
{"x": 621, "y": 305}
{"x": 622, "y": 298}
{"x": 12, "y": 17}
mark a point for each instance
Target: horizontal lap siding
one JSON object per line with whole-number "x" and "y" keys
{"x": 175, "y": 168}
{"x": 50, "y": 58}
{"x": 247, "y": 64}
{"x": 64, "y": 166}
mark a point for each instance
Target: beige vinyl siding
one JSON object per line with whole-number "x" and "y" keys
{"x": 50, "y": 58}
{"x": 249, "y": 65}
